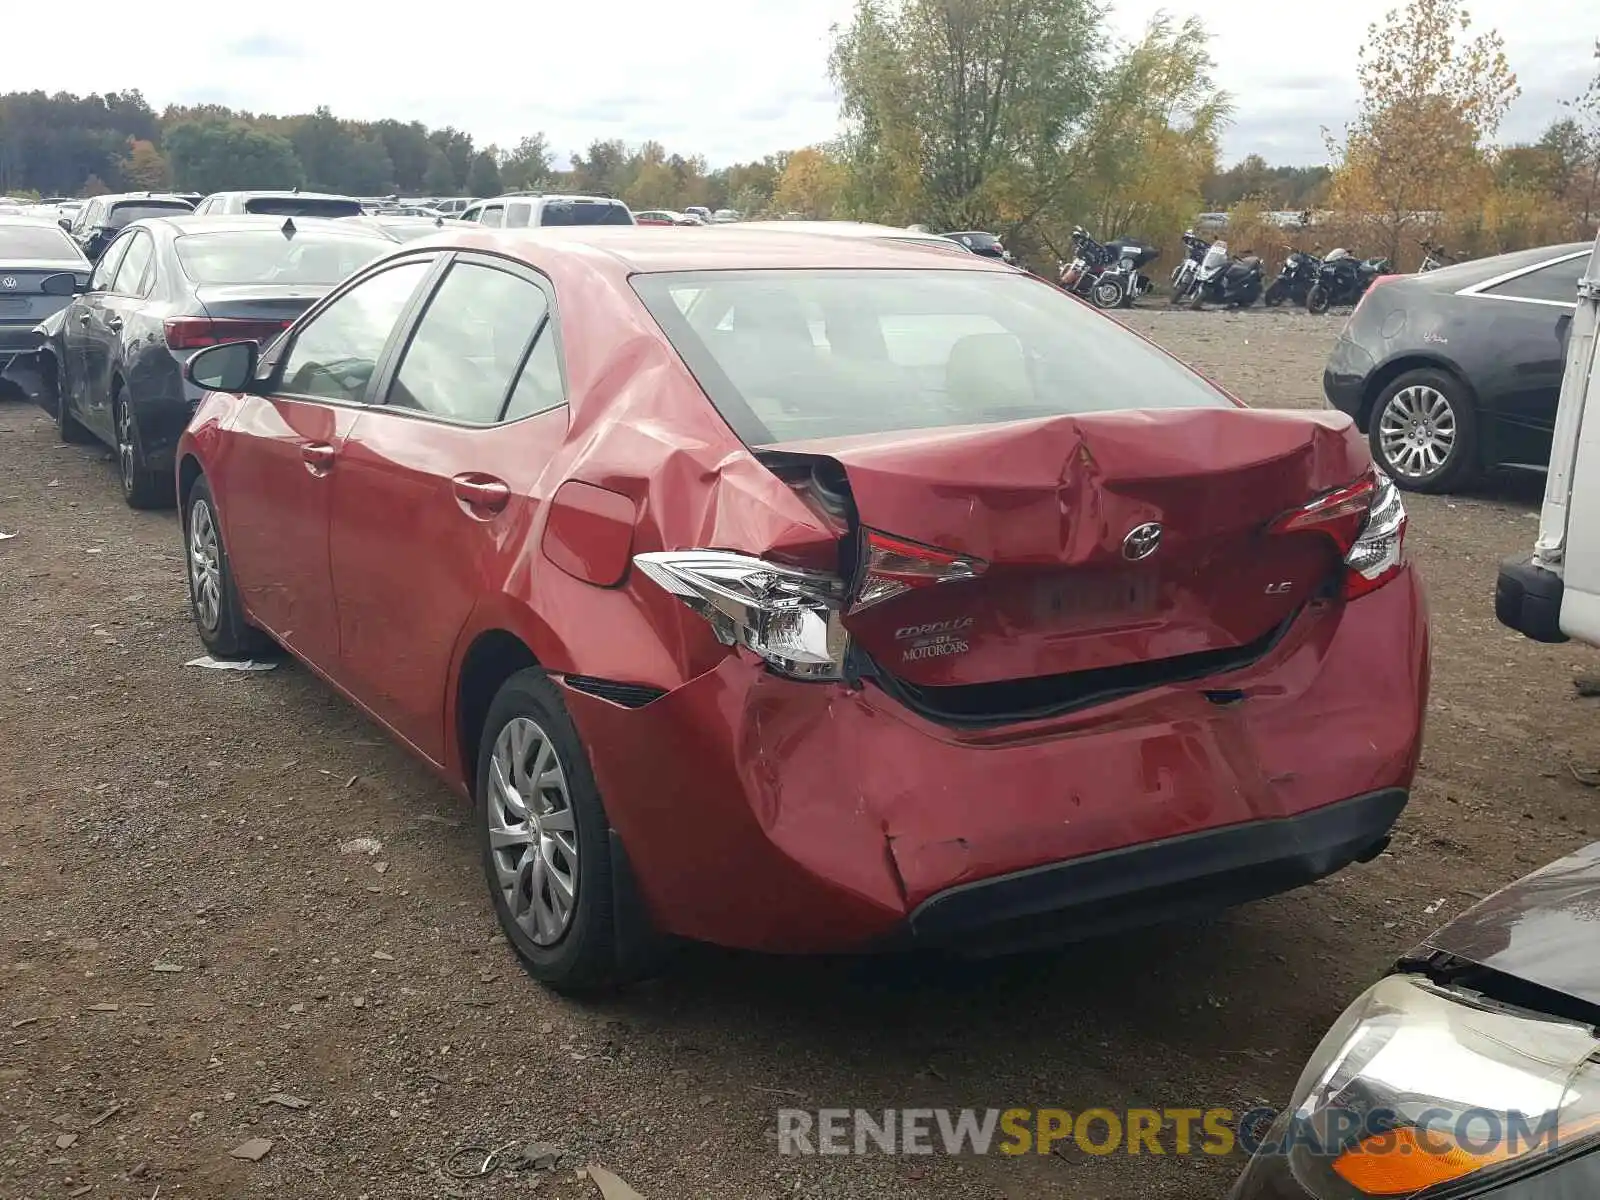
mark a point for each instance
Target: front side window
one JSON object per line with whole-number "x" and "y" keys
{"x": 788, "y": 355}
{"x": 1556, "y": 281}
{"x": 336, "y": 354}
{"x": 130, "y": 275}
{"x": 469, "y": 345}
{"x": 106, "y": 269}
{"x": 494, "y": 217}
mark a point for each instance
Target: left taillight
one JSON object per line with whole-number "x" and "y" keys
{"x": 788, "y": 616}
{"x": 195, "y": 333}
{"x": 1367, "y": 521}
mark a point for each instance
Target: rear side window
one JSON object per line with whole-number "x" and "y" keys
{"x": 130, "y": 280}
{"x": 24, "y": 243}
{"x": 1558, "y": 282}
{"x": 584, "y": 212}
{"x": 470, "y": 345}
{"x": 494, "y": 217}
{"x": 789, "y": 355}
{"x": 517, "y": 215}
{"x": 302, "y": 206}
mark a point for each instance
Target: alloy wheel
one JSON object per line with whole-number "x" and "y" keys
{"x": 533, "y": 833}
{"x": 125, "y": 444}
{"x": 205, "y": 566}
{"x": 1417, "y": 431}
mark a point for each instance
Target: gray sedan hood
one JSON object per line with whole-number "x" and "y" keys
{"x": 1544, "y": 928}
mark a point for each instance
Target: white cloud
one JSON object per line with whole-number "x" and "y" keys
{"x": 732, "y": 80}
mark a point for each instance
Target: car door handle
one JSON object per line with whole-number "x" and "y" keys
{"x": 83, "y": 318}
{"x": 481, "y": 495}
{"x": 114, "y": 323}
{"x": 318, "y": 457}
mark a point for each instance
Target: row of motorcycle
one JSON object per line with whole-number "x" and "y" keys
{"x": 1110, "y": 274}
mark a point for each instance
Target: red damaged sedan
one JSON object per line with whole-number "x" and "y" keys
{"x": 810, "y": 594}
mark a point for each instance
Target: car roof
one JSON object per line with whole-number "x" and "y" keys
{"x": 849, "y": 229}
{"x": 273, "y": 192}
{"x": 630, "y": 250}
{"x": 530, "y": 197}
{"x": 1459, "y": 275}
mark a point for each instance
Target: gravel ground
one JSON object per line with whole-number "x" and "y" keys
{"x": 181, "y": 936}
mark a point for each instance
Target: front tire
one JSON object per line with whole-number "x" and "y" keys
{"x": 1276, "y": 294}
{"x": 142, "y": 486}
{"x": 545, "y": 839}
{"x": 1107, "y": 293}
{"x": 213, "y": 596}
{"x": 1317, "y": 299}
{"x": 1424, "y": 432}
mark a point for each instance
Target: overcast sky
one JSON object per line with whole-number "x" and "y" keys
{"x": 732, "y": 80}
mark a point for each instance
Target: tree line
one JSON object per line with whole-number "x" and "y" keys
{"x": 1023, "y": 117}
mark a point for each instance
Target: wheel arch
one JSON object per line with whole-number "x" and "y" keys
{"x": 1396, "y": 367}
{"x": 189, "y": 473}
{"x": 493, "y": 656}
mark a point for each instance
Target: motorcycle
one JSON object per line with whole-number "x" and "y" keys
{"x": 1434, "y": 257}
{"x": 1183, "y": 275}
{"x": 1090, "y": 274}
{"x": 1223, "y": 279}
{"x": 1343, "y": 279}
{"x": 1130, "y": 255}
{"x": 1294, "y": 280}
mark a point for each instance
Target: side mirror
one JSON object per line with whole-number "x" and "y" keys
{"x": 65, "y": 223}
{"x": 229, "y": 367}
{"x": 64, "y": 283}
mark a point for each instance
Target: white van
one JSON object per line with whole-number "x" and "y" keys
{"x": 1553, "y": 594}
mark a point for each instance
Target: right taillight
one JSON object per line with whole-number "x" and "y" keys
{"x": 1367, "y": 521}
{"x": 891, "y": 565}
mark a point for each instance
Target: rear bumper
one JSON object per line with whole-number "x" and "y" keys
{"x": 1160, "y": 881}
{"x": 1344, "y": 379}
{"x": 19, "y": 356}
{"x": 777, "y": 815}
{"x": 1527, "y": 598}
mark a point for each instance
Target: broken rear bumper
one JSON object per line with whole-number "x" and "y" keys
{"x": 779, "y": 815}
{"x": 1160, "y": 881}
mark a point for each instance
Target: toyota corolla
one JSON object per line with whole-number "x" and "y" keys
{"x": 805, "y": 594}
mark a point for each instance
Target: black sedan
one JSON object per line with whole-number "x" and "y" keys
{"x": 164, "y": 289}
{"x": 1458, "y": 371}
{"x": 32, "y": 249}
{"x": 100, "y": 220}
{"x": 1471, "y": 1070}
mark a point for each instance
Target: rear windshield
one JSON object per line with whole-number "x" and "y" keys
{"x": 138, "y": 210}
{"x": 580, "y": 212}
{"x": 793, "y": 355}
{"x": 20, "y": 243}
{"x": 313, "y": 259}
{"x": 302, "y": 206}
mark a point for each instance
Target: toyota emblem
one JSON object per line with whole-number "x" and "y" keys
{"x": 1142, "y": 541}
{"x": 9, "y": 283}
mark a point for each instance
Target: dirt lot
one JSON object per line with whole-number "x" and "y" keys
{"x": 181, "y": 937}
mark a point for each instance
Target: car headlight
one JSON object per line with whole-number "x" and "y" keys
{"x": 1417, "y": 1088}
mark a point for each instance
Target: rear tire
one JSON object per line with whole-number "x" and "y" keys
{"x": 213, "y": 595}
{"x": 68, "y": 427}
{"x": 1442, "y": 405}
{"x": 552, "y": 893}
{"x": 1317, "y": 299}
{"x": 1199, "y": 298}
{"x": 142, "y": 487}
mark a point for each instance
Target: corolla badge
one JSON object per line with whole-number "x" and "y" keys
{"x": 1142, "y": 541}
{"x": 9, "y": 283}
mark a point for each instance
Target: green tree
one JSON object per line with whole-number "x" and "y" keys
{"x": 409, "y": 152}
{"x": 457, "y": 149}
{"x": 959, "y": 111}
{"x": 439, "y": 179}
{"x": 484, "y": 177}
{"x": 367, "y": 170}
{"x": 212, "y": 156}
{"x": 528, "y": 166}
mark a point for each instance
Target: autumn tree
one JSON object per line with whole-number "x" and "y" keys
{"x": 812, "y": 184}
{"x": 1151, "y": 140}
{"x": 527, "y": 167}
{"x": 960, "y": 112}
{"x": 1432, "y": 98}
{"x": 144, "y": 167}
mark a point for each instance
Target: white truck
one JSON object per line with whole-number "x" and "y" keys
{"x": 1553, "y": 594}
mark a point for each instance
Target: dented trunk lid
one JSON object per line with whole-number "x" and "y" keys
{"x": 1064, "y": 512}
